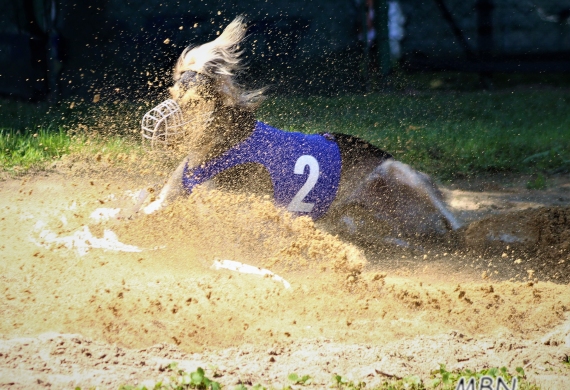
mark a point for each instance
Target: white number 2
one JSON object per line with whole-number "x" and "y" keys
{"x": 297, "y": 204}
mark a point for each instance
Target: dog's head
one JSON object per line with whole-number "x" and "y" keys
{"x": 204, "y": 86}
{"x": 207, "y": 72}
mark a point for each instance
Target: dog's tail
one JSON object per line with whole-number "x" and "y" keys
{"x": 219, "y": 57}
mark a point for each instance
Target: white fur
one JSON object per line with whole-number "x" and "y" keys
{"x": 220, "y": 60}
{"x": 219, "y": 57}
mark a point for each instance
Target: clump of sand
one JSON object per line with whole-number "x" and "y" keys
{"x": 243, "y": 227}
{"x": 538, "y": 240}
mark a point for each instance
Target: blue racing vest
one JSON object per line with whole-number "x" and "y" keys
{"x": 304, "y": 169}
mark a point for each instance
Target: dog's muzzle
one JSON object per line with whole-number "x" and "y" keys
{"x": 166, "y": 125}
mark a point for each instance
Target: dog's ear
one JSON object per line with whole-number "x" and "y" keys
{"x": 219, "y": 57}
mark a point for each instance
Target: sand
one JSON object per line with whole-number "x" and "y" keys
{"x": 102, "y": 317}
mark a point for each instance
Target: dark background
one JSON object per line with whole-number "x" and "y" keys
{"x": 56, "y": 49}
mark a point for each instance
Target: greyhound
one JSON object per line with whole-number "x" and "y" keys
{"x": 347, "y": 184}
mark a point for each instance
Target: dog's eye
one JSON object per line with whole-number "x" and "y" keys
{"x": 188, "y": 78}
{"x": 191, "y": 79}
{"x": 186, "y": 84}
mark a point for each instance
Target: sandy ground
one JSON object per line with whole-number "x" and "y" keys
{"x": 496, "y": 295}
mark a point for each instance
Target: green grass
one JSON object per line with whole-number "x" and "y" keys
{"x": 24, "y": 149}
{"x": 33, "y": 135}
{"x": 448, "y": 134}
{"x": 441, "y": 379}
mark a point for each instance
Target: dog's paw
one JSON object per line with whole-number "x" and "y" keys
{"x": 153, "y": 207}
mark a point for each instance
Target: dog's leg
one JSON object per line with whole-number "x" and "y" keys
{"x": 171, "y": 190}
{"x": 423, "y": 187}
{"x": 396, "y": 192}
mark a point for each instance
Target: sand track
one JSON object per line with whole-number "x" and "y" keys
{"x": 368, "y": 313}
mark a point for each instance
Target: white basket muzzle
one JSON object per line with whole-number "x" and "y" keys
{"x": 164, "y": 125}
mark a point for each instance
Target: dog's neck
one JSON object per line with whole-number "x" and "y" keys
{"x": 229, "y": 127}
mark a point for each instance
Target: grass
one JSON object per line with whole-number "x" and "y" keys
{"x": 24, "y": 149}
{"x": 33, "y": 135}
{"x": 441, "y": 379}
{"x": 447, "y": 134}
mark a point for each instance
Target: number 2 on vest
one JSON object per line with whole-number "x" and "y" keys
{"x": 297, "y": 204}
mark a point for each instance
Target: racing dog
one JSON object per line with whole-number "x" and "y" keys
{"x": 349, "y": 185}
